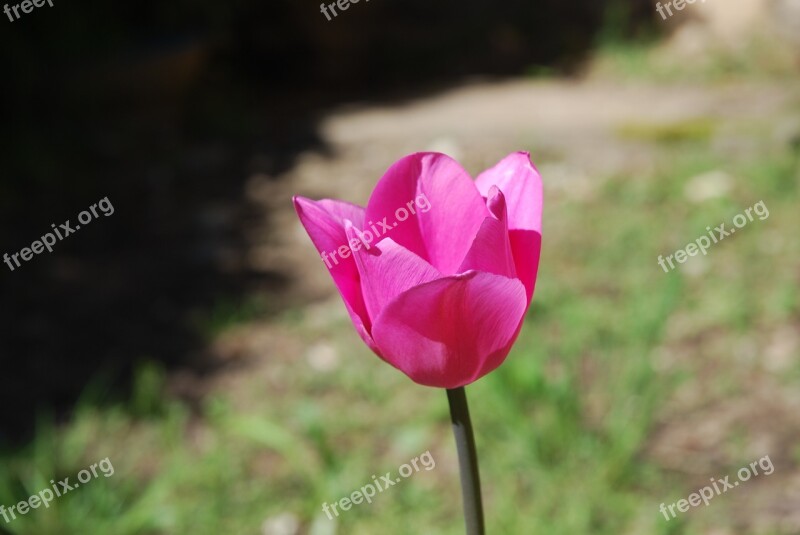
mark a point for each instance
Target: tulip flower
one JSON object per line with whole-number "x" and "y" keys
{"x": 437, "y": 272}
{"x": 440, "y": 294}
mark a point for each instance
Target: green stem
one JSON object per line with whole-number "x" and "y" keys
{"x": 467, "y": 461}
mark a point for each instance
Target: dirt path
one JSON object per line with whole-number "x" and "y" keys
{"x": 575, "y": 131}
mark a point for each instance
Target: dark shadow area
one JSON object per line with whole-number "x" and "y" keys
{"x": 166, "y": 110}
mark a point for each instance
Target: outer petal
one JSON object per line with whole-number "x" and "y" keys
{"x": 324, "y": 222}
{"x": 491, "y": 249}
{"x": 452, "y": 331}
{"x": 442, "y": 233}
{"x": 387, "y": 270}
{"x": 521, "y": 184}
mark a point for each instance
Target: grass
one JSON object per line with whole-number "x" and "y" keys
{"x": 565, "y": 428}
{"x": 697, "y": 130}
{"x": 760, "y": 56}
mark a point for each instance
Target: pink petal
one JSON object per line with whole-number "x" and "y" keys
{"x": 324, "y": 222}
{"x": 491, "y": 249}
{"x": 526, "y": 246}
{"x": 387, "y": 270}
{"x": 452, "y": 331}
{"x": 521, "y": 184}
{"x": 454, "y": 210}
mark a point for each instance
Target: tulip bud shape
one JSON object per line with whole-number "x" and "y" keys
{"x": 441, "y": 288}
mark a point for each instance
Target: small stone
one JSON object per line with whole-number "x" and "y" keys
{"x": 322, "y": 357}
{"x": 283, "y": 524}
{"x": 707, "y": 186}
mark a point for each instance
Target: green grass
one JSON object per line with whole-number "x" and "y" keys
{"x": 760, "y": 56}
{"x": 696, "y": 130}
{"x": 564, "y": 427}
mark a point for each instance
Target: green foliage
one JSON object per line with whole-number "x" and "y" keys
{"x": 694, "y": 130}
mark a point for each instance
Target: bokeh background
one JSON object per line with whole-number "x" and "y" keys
{"x": 194, "y": 337}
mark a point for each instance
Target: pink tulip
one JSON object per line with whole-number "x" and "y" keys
{"x": 438, "y": 289}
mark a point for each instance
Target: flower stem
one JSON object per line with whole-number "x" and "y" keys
{"x": 467, "y": 461}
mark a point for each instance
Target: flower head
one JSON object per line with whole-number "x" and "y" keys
{"x": 438, "y": 271}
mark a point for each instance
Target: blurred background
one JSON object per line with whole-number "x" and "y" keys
{"x": 195, "y": 339}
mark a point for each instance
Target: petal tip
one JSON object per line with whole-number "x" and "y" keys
{"x": 496, "y": 203}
